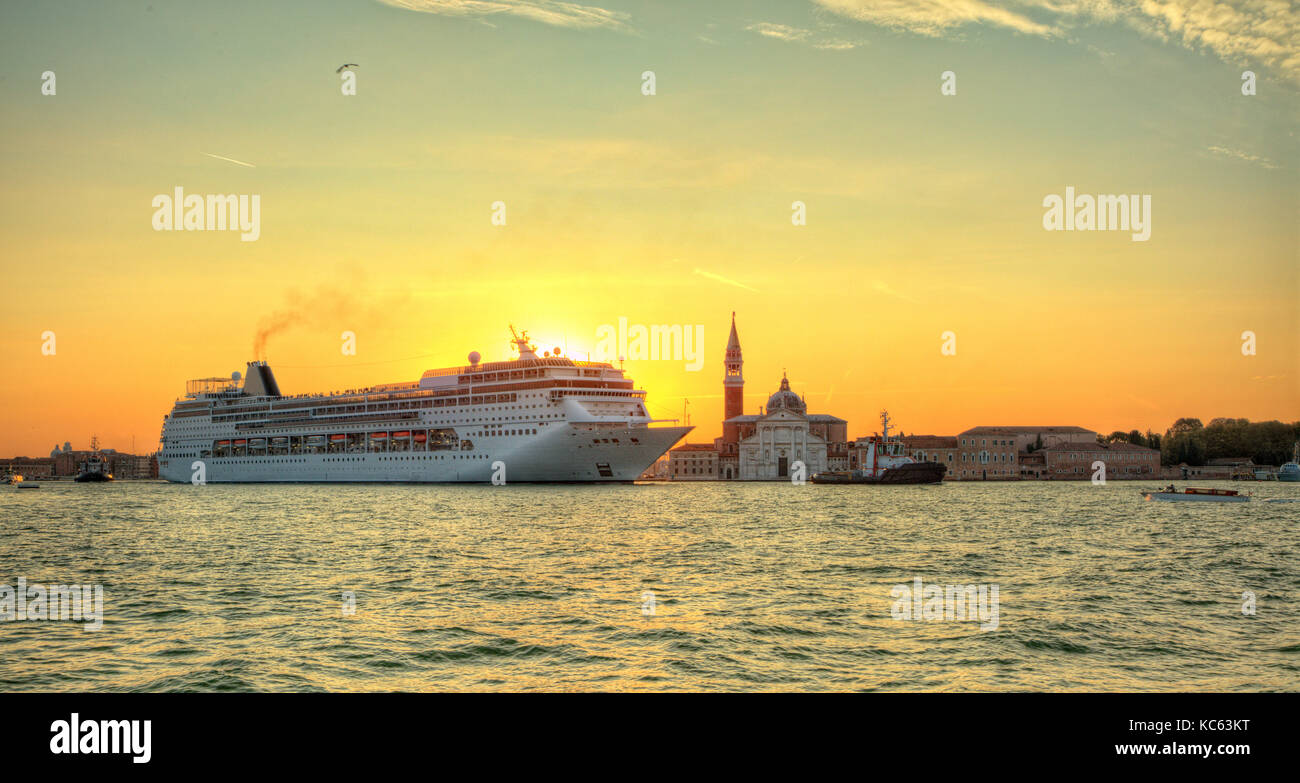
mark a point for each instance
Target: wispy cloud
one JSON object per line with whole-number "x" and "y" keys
{"x": 933, "y": 17}
{"x": 230, "y": 160}
{"x": 1241, "y": 32}
{"x": 881, "y": 287}
{"x": 552, "y": 12}
{"x": 1228, "y": 152}
{"x": 722, "y": 279}
{"x": 784, "y": 32}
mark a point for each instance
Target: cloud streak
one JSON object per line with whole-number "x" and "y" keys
{"x": 882, "y": 287}
{"x": 230, "y": 160}
{"x": 1235, "y": 154}
{"x": 934, "y": 17}
{"x": 552, "y": 12}
{"x": 784, "y": 32}
{"x": 1239, "y": 32}
{"x": 722, "y": 279}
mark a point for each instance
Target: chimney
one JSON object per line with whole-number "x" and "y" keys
{"x": 259, "y": 381}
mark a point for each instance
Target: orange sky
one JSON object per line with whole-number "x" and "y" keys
{"x": 924, "y": 214}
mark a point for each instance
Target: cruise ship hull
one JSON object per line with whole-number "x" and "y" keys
{"x": 532, "y": 419}
{"x": 565, "y": 453}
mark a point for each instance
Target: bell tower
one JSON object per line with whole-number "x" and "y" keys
{"x": 733, "y": 385}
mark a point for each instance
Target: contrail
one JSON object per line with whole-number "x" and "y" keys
{"x": 885, "y": 289}
{"x": 722, "y": 279}
{"x": 231, "y": 160}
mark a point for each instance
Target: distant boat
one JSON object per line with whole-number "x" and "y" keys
{"x": 12, "y": 478}
{"x": 885, "y": 463}
{"x": 94, "y": 469}
{"x": 28, "y": 486}
{"x": 1200, "y": 494}
{"x": 1291, "y": 470}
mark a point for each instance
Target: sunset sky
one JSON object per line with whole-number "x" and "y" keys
{"x": 924, "y": 211}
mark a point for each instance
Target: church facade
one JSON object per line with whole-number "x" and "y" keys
{"x": 768, "y": 446}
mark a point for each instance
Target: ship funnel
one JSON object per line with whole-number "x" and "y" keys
{"x": 259, "y": 381}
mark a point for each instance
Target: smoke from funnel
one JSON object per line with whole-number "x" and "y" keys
{"x": 326, "y": 307}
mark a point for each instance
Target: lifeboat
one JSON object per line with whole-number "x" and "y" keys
{"x": 337, "y": 438}
{"x": 379, "y": 436}
{"x": 420, "y": 437}
{"x": 241, "y": 442}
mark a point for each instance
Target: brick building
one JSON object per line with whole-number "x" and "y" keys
{"x": 693, "y": 462}
{"x": 933, "y": 448}
{"x": 993, "y": 453}
{"x": 28, "y": 467}
{"x": 1122, "y": 461}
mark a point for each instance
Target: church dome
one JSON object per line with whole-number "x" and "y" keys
{"x": 784, "y": 399}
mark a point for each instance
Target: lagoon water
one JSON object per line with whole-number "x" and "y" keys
{"x": 755, "y": 587}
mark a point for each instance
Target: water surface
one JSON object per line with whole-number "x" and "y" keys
{"x": 756, "y": 587}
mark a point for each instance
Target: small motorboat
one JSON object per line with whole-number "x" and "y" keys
{"x": 1200, "y": 494}
{"x": 29, "y": 486}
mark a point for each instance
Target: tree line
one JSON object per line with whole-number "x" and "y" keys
{"x": 1189, "y": 441}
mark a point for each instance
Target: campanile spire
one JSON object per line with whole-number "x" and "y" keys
{"x": 733, "y": 383}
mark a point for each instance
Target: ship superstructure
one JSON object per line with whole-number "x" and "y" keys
{"x": 94, "y": 469}
{"x": 883, "y": 461}
{"x": 531, "y": 419}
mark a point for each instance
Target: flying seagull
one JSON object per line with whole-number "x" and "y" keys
{"x": 346, "y": 65}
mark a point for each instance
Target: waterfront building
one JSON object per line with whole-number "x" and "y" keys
{"x": 1122, "y": 460}
{"x": 1028, "y": 438}
{"x": 1211, "y": 470}
{"x": 783, "y": 433}
{"x": 28, "y": 467}
{"x": 987, "y": 453}
{"x": 933, "y": 448}
{"x": 993, "y": 453}
{"x": 693, "y": 462}
{"x": 765, "y": 446}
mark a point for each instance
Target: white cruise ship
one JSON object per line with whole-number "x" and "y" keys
{"x": 533, "y": 419}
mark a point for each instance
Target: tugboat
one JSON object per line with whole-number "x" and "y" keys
{"x": 885, "y": 463}
{"x": 1198, "y": 493}
{"x": 94, "y": 469}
